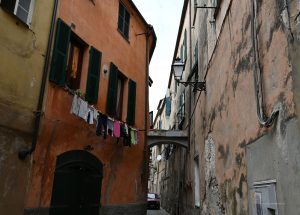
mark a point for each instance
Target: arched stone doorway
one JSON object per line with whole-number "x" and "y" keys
{"x": 77, "y": 184}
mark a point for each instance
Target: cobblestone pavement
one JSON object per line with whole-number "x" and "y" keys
{"x": 157, "y": 212}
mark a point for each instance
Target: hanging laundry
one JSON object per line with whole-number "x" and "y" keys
{"x": 90, "y": 116}
{"x": 75, "y": 105}
{"x": 132, "y": 137}
{"x": 126, "y": 129}
{"x": 95, "y": 113}
{"x": 110, "y": 126}
{"x": 101, "y": 128}
{"x": 117, "y": 127}
{"x": 83, "y": 110}
{"x": 124, "y": 135}
{"x": 136, "y": 137}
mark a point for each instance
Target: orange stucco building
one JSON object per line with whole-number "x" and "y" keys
{"x": 101, "y": 52}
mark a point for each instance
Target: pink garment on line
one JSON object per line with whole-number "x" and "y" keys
{"x": 117, "y": 129}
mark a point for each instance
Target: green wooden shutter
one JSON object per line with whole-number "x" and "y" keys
{"x": 60, "y": 53}
{"x": 92, "y": 85}
{"x": 131, "y": 102}
{"x": 126, "y": 24}
{"x": 112, "y": 90}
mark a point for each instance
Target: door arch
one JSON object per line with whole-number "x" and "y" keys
{"x": 77, "y": 184}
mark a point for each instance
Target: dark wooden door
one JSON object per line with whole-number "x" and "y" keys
{"x": 77, "y": 186}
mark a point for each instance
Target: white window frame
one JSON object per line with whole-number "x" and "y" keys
{"x": 30, "y": 12}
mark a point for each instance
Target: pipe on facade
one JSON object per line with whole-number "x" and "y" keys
{"x": 38, "y": 113}
{"x": 147, "y": 34}
{"x": 263, "y": 119}
{"x": 191, "y": 61}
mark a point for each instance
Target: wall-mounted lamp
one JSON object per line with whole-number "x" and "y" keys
{"x": 178, "y": 67}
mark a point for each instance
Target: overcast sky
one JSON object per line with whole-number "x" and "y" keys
{"x": 164, "y": 15}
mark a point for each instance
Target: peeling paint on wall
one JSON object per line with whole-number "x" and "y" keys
{"x": 212, "y": 203}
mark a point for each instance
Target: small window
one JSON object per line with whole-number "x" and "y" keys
{"x": 74, "y": 64}
{"x": 21, "y": 8}
{"x": 124, "y": 20}
{"x": 168, "y": 106}
{"x": 114, "y": 104}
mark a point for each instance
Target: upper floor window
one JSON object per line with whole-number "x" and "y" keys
{"x": 67, "y": 59}
{"x": 74, "y": 64}
{"x": 116, "y": 85}
{"x": 115, "y": 92}
{"x": 124, "y": 20}
{"x": 168, "y": 106}
{"x": 21, "y": 8}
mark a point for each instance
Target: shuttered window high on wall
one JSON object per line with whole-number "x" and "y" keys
{"x": 114, "y": 102}
{"x": 92, "y": 86}
{"x": 123, "y": 21}
{"x": 168, "y": 106}
{"x": 23, "y": 9}
{"x": 131, "y": 102}
{"x": 111, "y": 100}
{"x": 60, "y": 53}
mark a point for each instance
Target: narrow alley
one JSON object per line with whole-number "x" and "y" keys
{"x": 110, "y": 107}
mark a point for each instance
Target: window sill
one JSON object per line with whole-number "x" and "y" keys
{"x": 125, "y": 38}
{"x": 19, "y": 21}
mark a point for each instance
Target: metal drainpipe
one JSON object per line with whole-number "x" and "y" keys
{"x": 262, "y": 118}
{"x": 23, "y": 154}
{"x": 190, "y": 69}
{"x": 149, "y": 30}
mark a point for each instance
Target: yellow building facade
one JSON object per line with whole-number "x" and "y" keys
{"x": 24, "y": 32}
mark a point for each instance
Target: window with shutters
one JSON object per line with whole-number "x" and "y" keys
{"x": 114, "y": 102}
{"x": 123, "y": 21}
{"x": 75, "y": 56}
{"x": 67, "y": 61}
{"x": 22, "y": 9}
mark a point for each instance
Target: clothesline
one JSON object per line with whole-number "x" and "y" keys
{"x": 105, "y": 125}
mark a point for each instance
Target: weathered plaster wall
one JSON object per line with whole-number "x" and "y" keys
{"x": 229, "y": 103}
{"x": 22, "y": 53}
{"x": 14, "y": 174}
{"x": 123, "y": 185}
{"x": 276, "y": 156}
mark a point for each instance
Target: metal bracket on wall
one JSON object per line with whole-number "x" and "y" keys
{"x": 206, "y": 7}
{"x": 197, "y": 86}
